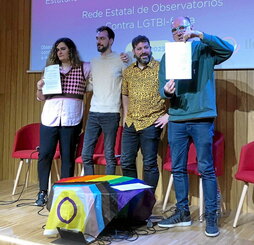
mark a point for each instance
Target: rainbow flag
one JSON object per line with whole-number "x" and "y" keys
{"x": 88, "y": 204}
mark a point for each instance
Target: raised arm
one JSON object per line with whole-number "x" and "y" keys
{"x": 222, "y": 49}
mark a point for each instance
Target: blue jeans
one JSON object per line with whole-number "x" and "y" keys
{"x": 179, "y": 136}
{"x": 96, "y": 124}
{"x": 148, "y": 140}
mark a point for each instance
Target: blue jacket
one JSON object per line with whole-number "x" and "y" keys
{"x": 196, "y": 98}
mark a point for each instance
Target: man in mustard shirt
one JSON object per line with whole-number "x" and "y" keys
{"x": 144, "y": 113}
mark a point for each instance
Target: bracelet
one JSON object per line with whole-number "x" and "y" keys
{"x": 39, "y": 89}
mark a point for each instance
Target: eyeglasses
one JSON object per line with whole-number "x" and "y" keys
{"x": 179, "y": 28}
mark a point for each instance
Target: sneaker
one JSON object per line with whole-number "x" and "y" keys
{"x": 179, "y": 218}
{"x": 212, "y": 229}
{"x": 42, "y": 198}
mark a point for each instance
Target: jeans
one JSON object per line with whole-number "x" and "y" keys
{"x": 49, "y": 137}
{"x": 179, "y": 136}
{"x": 148, "y": 140}
{"x": 97, "y": 123}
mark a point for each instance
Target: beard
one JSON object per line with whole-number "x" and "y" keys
{"x": 102, "y": 48}
{"x": 143, "y": 60}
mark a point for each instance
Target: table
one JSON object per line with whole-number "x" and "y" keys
{"x": 88, "y": 204}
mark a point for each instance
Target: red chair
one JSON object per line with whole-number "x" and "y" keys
{"x": 245, "y": 173}
{"x": 192, "y": 167}
{"x": 98, "y": 156}
{"x": 26, "y": 143}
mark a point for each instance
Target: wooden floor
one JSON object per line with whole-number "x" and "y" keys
{"x": 23, "y": 225}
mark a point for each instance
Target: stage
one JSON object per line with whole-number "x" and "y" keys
{"x": 23, "y": 225}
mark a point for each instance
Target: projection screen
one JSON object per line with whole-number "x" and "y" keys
{"x": 78, "y": 20}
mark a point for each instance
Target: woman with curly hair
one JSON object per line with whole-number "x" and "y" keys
{"x": 62, "y": 114}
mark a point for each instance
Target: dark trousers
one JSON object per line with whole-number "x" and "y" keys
{"x": 148, "y": 140}
{"x": 97, "y": 123}
{"x": 49, "y": 137}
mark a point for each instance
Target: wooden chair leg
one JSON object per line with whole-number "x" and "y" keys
{"x": 49, "y": 183}
{"x": 17, "y": 176}
{"x": 79, "y": 169}
{"x": 56, "y": 168}
{"x": 76, "y": 170}
{"x": 222, "y": 203}
{"x": 170, "y": 183}
{"x": 201, "y": 200}
{"x": 28, "y": 172}
{"x": 245, "y": 189}
{"x": 120, "y": 169}
{"x": 82, "y": 170}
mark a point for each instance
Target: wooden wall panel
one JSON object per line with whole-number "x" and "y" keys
{"x": 18, "y": 106}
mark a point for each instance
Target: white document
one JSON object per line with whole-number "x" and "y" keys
{"x": 52, "y": 80}
{"x": 178, "y": 60}
{"x": 130, "y": 187}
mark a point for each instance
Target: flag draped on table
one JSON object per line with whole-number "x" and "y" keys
{"x": 88, "y": 204}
